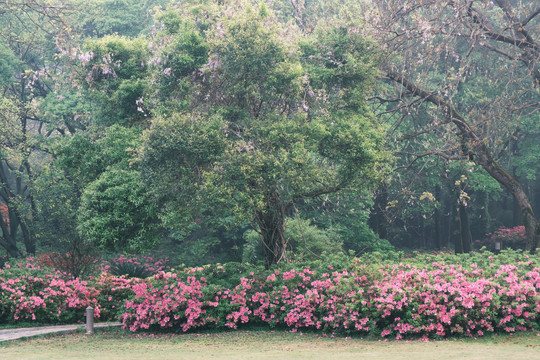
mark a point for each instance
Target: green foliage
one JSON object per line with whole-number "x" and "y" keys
{"x": 467, "y": 174}
{"x": 130, "y": 270}
{"x": 180, "y": 140}
{"x": 528, "y": 145}
{"x": 347, "y": 215}
{"x": 222, "y": 276}
{"x": 310, "y": 15}
{"x": 308, "y": 242}
{"x": 343, "y": 65}
{"x": 82, "y": 166}
{"x": 57, "y": 202}
{"x": 65, "y": 109}
{"x": 114, "y": 69}
{"x": 86, "y": 155}
{"x": 117, "y": 213}
{"x": 251, "y": 144}
{"x": 97, "y": 18}
{"x": 8, "y": 63}
{"x": 11, "y": 137}
{"x": 359, "y": 237}
{"x": 185, "y": 52}
{"x": 305, "y": 241}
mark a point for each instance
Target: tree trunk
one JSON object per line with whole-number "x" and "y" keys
{"x": 271, "y": 223}
{"x": 10, "y": 247}
{"x": 422, "y": 231}
{"x": 532, "y": 226}
{"x": 466, "y": 238}
{"x": 516, "y": 211}
{"x": 378, "y": 222}
{"x": 437, "y": 218}
{"x": 274, "y": 242}
{"x": 29, "y": 240}
{"x": 9, "y": 235}
{"x": 483, "y": 223}
{"x": 456, "y": 230}
{"x": 8, "y": 241}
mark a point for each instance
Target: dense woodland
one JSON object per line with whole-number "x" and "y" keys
{"x": 263, "y": 131}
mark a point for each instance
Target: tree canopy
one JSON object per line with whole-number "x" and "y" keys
{"x": 264, "y": 131}
{"x": 276, "y": 128}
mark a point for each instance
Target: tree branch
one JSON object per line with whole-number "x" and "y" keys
{"x": 530, "y": 17}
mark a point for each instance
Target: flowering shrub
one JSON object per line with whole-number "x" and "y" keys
{"x": 41, "y": 294}
{"x": 71, "y": 264}
{"x": 424, "y": 296}
{"x": 47, "y": 298}
{"x": 178, "y": 303}
{"x": 434, "y": 301}
{"x": 113, "y": 292}
{"x": 510, "y": 238}
{"x": 136, "y": 267}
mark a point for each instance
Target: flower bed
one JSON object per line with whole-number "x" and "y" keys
{"x": 40, "y": 294}
{"x": 34, "y": 295}
{"x": 401, "y": 301}
{"x": 429, "y": 296}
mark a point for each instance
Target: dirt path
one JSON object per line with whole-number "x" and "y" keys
{"x": 13, "y": 334}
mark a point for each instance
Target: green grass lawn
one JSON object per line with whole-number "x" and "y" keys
{"x": 116, "y": 344}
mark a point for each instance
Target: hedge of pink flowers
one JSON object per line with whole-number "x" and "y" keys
{"x": 433, "y": 296}
{"x": 400, "y": 301}
{"x": 47, "y": 297}
{"x": 31, "y": 291}
{"x": 34, "y": 294}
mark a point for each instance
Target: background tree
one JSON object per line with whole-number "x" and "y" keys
{"x": 117, "y": 213}
{"x": 86, "y": 161}
{"x": 464, "y": 65}
{"x": 102, "y": 81}
{"x": 99, "y": 18}
{"x": 28, "y": 30}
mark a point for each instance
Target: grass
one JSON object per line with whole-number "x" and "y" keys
{"x": 117, "y": 344}
{"x": 22, "y": 325}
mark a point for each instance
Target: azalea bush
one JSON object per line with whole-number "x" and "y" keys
{"x": 112, "y": 293}
{"x": 41, "y": 294}
{"x": 382, "y": 295}
{"x": 36, "y": 294}
{"x": 510, "y": 238}
{"x": 402, "y": 300}
{"x": 136, "y": 267}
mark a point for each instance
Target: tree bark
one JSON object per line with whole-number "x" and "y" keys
{"x": 8, "y": 241}
{"x": 456, "y": 230}
{"x": 437, "y": 219}
{"x": 466, "y": 237}
{"x": 377, "y": 219}
{"x": 271, "y": 224}
{"x": 29, "y": 240}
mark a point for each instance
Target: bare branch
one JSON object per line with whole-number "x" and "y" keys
{"x": 530, "y": 17}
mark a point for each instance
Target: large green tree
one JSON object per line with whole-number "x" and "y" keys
{"x": 273, "y": 120}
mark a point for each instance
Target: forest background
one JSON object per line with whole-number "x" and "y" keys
{"x": 260, "y": 132}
